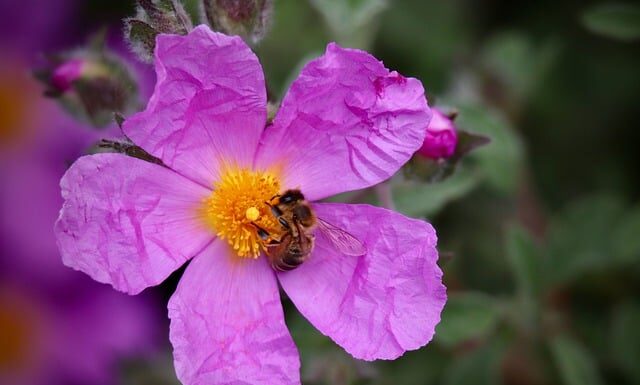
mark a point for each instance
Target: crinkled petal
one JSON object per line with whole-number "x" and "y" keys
{"x": 227, "y": 324}
{"x": 128, "y": 222}
{"x": 379, "y": 305}
{"x": 208, "y": 108}
{"x": 346, "y": 123}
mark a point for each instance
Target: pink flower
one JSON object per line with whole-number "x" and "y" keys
{"x": 345, "y": 124}
{"x": 441, "y": 137}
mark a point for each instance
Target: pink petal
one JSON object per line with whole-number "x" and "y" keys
{"x": 128, "y": 222}
{"x": 227, "y": 324}
{"x": 208, "y": 108}
{"x": 345, "y": 124}
{"x": 381, "y": 304}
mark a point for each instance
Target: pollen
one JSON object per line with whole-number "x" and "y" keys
{"x": 252, "y": 213}
{"x": 237, "y": 207}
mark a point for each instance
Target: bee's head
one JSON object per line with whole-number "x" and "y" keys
{"x": 290, "y": 197}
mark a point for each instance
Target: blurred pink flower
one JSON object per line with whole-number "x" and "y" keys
{"x": 28, "y": 26}
{"x": 57, "y": 327}
{"x": 441, "y": 137}
{"x": 38, "y": 142}
{"x": 346, "y": 123}
{"x": 71, "y": 335}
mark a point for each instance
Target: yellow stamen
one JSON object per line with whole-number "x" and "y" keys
{"x": 237, "y": 207}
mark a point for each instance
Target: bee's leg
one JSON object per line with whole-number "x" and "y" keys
{"x": 262, "y": 233}
{"x": 274, "y": 209}
{"x": 265, "y": 236}
{"x": 283, "y": 222}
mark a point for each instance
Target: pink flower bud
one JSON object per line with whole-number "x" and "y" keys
{"x": 441, "y": 138}
{"x": 246, "y": 18}
{"x": 91, "y": 85}
{"x": 66, "y": 73}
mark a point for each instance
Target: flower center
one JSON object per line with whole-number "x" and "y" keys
{"x": 237, "y": 207}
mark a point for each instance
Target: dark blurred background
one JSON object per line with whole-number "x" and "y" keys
{"x": 539, "y": 231}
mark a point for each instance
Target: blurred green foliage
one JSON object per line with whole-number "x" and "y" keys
{"x": 469, "y": 316}
{"x": 541, "y": 223}
{"x": 616, "y": 20}
{"x": 539, "y": 231}
{"x": 574, "y": 362}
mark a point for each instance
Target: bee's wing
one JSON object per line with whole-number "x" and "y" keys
{"x": 342, "y": 240}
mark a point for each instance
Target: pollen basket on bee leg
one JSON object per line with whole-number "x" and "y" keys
{"x": 236, "y": 209}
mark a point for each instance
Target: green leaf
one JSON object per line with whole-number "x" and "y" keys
{"x": 156, "y": 369}
{"x": 193, "y": 9}
{"x": 419, "y": 367}
{"x": 574, "y": 362}
{"x": 152, "y": 18}
{"x": 523, "y": 257}
{"x": 307, "y": 338}
{"x": 142, "y": 38}
{"x": 524, "y": 260}
{"x": 581, "y": 238}
{"x": 626, "y": 238}
{"x": 618, "y": 21}
{"x": 501, "y": 161}
{"x": 422, "y": 199}
{"x": 465, "y": 317}
{"x": 351, "y": 22}
{"x": 625, "y": 339}
{"x": 468, "y": 141}
{"x": 323, "y": 362}
{"x": 478, "y": 367}
{"x": 512, "y": 59}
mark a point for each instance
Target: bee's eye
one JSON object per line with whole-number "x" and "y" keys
{"x": 302, "y": 213}
{"x": 291, "y": 196}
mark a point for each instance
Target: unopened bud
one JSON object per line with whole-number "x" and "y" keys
{"x": 91, "y": 85}
{"x": 66, "y": 73}
{"x": 246, "y": 18}
{"x": 441, "y": 139}
{"x": 152, "y": 18}
{"x": 443, "y": 148}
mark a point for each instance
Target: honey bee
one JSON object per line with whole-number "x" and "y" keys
{"x": 298, "y": 221}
